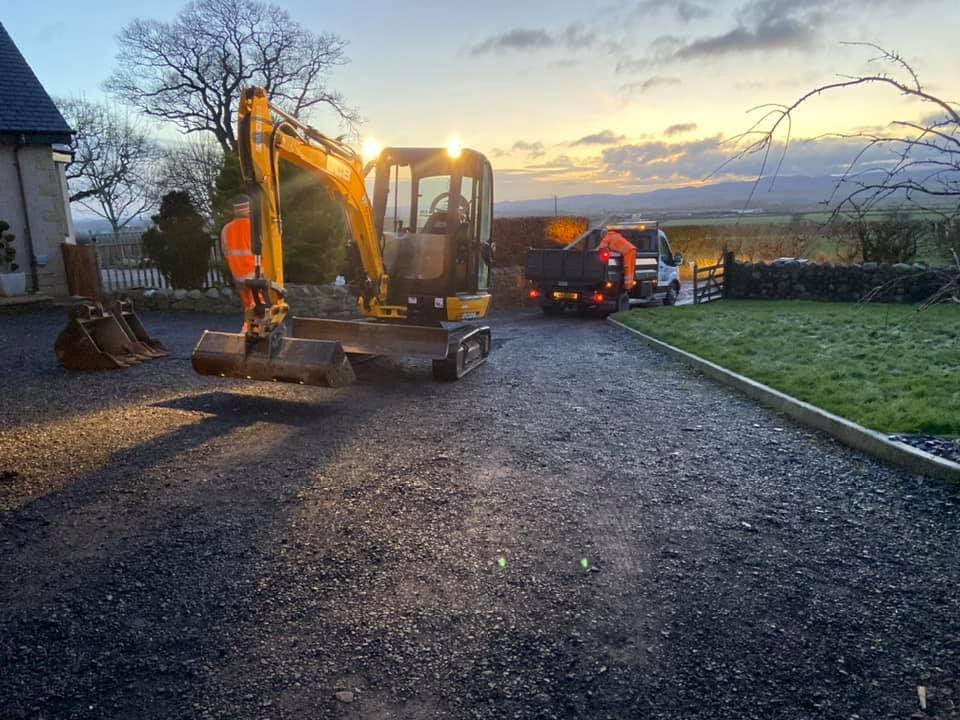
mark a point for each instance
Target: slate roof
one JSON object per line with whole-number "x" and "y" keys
{"x": 25, "y": 107}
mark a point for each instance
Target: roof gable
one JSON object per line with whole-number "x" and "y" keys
{"x": 25, "y": 107}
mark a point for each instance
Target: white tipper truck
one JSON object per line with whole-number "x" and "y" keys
{"x": 583, "y": 277}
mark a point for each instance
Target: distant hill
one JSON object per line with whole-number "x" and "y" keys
{"x": 786, "y": 194}
{"x": 84, "y": 226}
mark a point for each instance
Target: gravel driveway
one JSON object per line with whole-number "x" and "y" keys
{"x": 580, "y": 529}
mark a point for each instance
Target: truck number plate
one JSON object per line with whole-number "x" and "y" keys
{"x": 567, "y": 296}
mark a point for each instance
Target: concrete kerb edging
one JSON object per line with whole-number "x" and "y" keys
{"x": 847, "y": 432}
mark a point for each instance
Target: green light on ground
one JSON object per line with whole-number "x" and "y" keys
{"x": 502, "y": 562}
{"x": 584, "y": 563}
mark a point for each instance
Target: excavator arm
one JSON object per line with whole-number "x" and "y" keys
{"x": 268, "y": 135}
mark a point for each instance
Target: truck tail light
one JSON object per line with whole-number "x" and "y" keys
{"x": 534, "y": 294}
{"x": 598, "y": 298}
{"x": 604, "y": 255}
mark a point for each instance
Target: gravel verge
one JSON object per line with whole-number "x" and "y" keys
{"x": 947, "y": 448}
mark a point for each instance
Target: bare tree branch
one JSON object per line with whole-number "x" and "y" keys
{"x": 192, "y": 166}
{"x": 190, "y": 71}
{"x": 922, "y": 158}
{"x": 113, "y": 173}
{"x": 909, "y": 163}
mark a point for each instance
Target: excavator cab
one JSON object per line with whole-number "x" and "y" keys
{"x": 433, "y": 213}
{"x": 433, "y": 208}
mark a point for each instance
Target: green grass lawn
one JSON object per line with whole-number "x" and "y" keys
{"x": 887, "y": 367}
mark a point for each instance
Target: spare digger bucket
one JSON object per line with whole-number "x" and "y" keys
{"x": 370, "y": 338}
{"x": 95, "y": 340}
{"x": 133, "y": 327}
{"x": 278, "y": 358}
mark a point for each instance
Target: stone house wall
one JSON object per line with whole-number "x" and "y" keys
{"x": 48, "y": 212}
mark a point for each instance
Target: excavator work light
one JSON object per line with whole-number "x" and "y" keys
{"x": 454, "y": 148}
{"x": 371, "y": 149}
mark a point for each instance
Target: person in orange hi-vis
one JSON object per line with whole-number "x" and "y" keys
{"x": 236, "y": 242}
{"x": 618, "y": 243}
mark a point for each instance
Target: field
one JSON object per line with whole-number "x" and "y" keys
{"x": 888, "y": 367}
{"x": 765, "y": 238}
{"x": 702, "y": 240}
{"x": 816, "y": 218}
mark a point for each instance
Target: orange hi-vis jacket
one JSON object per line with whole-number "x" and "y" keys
{"x": 236, "y": 241}
{"x": 618, "y": 243}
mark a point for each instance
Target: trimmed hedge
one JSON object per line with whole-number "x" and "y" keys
{"x": 514, "y": 236}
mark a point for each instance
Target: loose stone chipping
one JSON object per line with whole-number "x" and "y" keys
{"x": 178, "y": 546}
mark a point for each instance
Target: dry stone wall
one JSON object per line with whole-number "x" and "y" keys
{"x": 800, "y": 280}
{"x": 328, "y": 301}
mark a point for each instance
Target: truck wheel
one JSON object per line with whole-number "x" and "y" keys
{"x": 671, "y": 297}
{"x": 552, "y": 309}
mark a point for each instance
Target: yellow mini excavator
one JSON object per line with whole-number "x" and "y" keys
{"x": 425, "y": 268}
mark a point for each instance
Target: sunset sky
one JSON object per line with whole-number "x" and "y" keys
{"x": 571, "y": 97}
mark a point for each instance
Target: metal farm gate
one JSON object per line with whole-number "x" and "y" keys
{"x": 708, "y": 282}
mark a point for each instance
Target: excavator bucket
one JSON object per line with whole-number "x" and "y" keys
{"x": 95, "y": 340}
{"x": 279, "y": 358}
{"x": 133, "y": 327}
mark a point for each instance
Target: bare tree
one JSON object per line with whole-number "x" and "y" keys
{"x": 190, "y": 71}
{"x": 924, "y": 167}
{"x": 193, "y": 166}
{"x": 113, "y": 173}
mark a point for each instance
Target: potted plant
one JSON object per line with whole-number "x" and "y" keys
{"x": 11, "y": 281}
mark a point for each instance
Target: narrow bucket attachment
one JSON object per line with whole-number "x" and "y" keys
{"x": 368, "y": 338}
{"x": 132, "y": 325}
{"x": 94, "y": 340}
{"x": 284, "y": 359}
